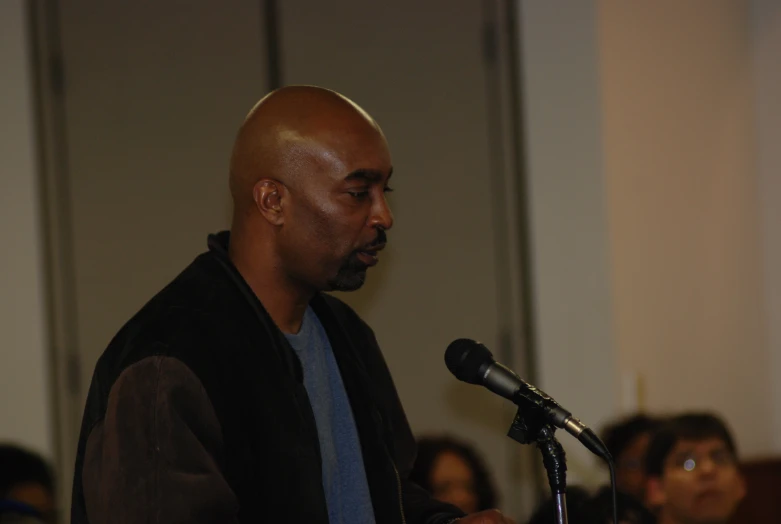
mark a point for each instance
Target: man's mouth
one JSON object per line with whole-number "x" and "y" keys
{"x": 370, "y": 255}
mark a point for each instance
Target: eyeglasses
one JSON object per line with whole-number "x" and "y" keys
{"x": 690, "y": 461}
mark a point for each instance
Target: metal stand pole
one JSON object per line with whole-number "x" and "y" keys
{"x": 527, "y": 428}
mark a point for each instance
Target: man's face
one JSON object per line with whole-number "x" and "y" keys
{"x": 700, "y": 483}
{"x": 337, "y": 214}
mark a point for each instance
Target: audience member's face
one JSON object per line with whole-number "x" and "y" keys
{"x": 452, "y": 481}
{"x": 630, "y": 467}
{"x": 700, "y": 484}
{"x": 35, "y": 496}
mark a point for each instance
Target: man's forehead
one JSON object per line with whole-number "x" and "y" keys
{"x": 368, "y": 157}
{"x": 366, "y": 144}
{"x": 364, "y": 165}
{"x": 349, "y": 149}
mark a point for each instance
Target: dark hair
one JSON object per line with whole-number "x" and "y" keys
{"x": 429, "y": 448}
{"x": 18, "y": 466}
{"x": 688, "y": 426}
{"x": 599, "y": 509}
{"x": 620, "y": 434}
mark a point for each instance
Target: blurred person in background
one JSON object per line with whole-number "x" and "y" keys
{"x": 627, "y": 440}
{"x": 26, "y": 486}
{"x": 599, "y": 509}
{"x": 453, "y": 471}
{"x": 692, "y": 468}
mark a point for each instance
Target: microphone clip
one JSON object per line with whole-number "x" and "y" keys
{"x": 529, "y": 427}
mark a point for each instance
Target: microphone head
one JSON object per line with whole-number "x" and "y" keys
{"x": 465, "y": 359}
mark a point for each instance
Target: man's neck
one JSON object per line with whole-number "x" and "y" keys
{"x": 284, "y": 300}
{"x": 285, "y": 304}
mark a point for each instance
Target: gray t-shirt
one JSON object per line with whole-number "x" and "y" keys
{"x": 344, "y": 476}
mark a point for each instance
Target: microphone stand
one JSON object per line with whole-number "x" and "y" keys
{"x": 528, "y": 427}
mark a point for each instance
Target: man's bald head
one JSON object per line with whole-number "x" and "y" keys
{"x": 287, "y": 132}
{"x": 309, "y": 174}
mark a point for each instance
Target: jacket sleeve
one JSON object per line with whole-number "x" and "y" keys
{"x": 419, "y": 506}
{"x": 154, "y": 457}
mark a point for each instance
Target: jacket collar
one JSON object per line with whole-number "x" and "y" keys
{"x": 355, "y": 377}
{"x": 218, "y": 250}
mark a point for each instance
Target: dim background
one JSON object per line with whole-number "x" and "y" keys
{"x": 591, "y": 188}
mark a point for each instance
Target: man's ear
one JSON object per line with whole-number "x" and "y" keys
{"x": 267, "y": 194}
{"x": 654, "y": 492}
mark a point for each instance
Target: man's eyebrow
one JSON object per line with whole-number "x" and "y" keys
{"x": 368, "y": 175}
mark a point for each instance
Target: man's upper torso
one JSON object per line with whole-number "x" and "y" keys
{"x": 198, "y": 413}
{"x": 344, "y": 477}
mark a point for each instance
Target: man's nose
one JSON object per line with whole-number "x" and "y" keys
{"x": 382, "y": 216}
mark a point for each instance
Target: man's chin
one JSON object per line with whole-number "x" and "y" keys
{"x": 351, "y": 280}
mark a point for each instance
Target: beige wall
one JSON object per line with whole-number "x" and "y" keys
{"x": 25, "y": 414}
{"x": 680, "y": 171}
{"x": 654, "y": 241}
{"x": 569, "y": 245}
{"x": 766, "y": 41}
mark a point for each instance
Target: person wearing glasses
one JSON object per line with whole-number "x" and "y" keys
{"x": 692, "y": 469}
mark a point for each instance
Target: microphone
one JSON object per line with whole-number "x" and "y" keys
{"x": 472, "y": 362}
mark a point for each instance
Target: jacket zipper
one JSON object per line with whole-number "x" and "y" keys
{"x": 401, "y": 500}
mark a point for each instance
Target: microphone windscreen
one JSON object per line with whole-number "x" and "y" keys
{"x": 464, "y": 358}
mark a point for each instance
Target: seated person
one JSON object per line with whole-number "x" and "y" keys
{"x": 627, "y": 440}
{"x": 453, "y": 471}
{"x": 692, "y": 469}
{"x": 26, "y": 487}
{"x": 599, "y": 509}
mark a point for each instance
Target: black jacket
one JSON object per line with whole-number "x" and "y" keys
{"x": 197, "y": 412}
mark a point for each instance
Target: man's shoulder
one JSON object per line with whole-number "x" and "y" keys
{"x": 179, "y": 321}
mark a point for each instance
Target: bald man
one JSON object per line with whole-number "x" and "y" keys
{"x": 241, "y": 392}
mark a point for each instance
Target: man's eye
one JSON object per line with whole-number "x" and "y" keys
{"x": 364, "y": 193}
